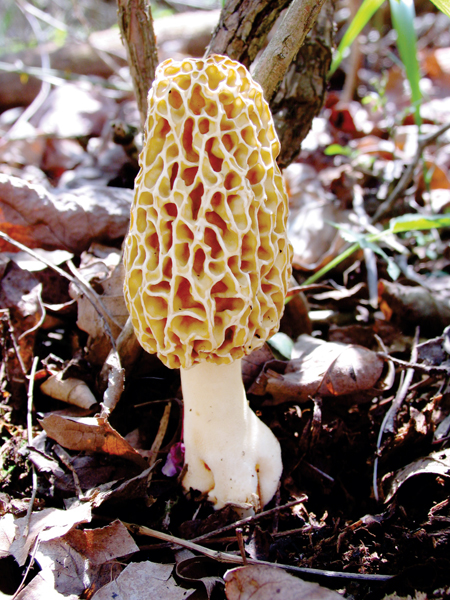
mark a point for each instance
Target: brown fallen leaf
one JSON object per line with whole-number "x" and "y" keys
{"x": 143, "y": 581}
{"x": 102, "y": 544}
{"x": 68, "y": 220}
{"x": 322, "y": 368}
{"x": 91, "y": 434}
{"x": 42, "y": 586}
{"x": 85, "y": 551}
{"x": 257, "y": 582}
{"x": 409, "y": 307}
{"x": 48, "y": 524}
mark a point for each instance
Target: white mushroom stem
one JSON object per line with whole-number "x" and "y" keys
{"x": 230, "y": 454}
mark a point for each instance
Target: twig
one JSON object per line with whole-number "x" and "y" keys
{"x": 252, "y": 519}
{"x": 30, "y": 441}
{"x": 136, "y": 26}
{"x": 389, "y": 418}
{"x": 428, "y": 369}
{"x": 28, "y": 569}
{"x": 286, "y": 42}
{"x": 408, "y": 174}
{"x": 160, "y": 435}
{"x": 227, "y": 557}
{"x": 11, "y": 332}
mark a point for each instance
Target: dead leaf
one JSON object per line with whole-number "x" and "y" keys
{"x": 311, "y": 214}
{"x": 102, "y": 544}
{"x": 70, "y": 390}
{"x": 257, "y": 582}
{"x": 409, "y": 306}
{"x": 42, "y": 586}
{"x": 102, "y": 267}
{"x": 325, "y": 369}
{"x": 7, "y": 532}
{"x": 89, "y": 434}
{"x": 48, "y": 524}
{"x": 436, "y": 463}
{"x": 66, "y": 220}
{"x": 143, "y": 581}
{"x": 85, "y": 551}
{"x": 73, "y": 111}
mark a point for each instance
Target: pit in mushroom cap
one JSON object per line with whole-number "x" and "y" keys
{"x": 207, "y": 259}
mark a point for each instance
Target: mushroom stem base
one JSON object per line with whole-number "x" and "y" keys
{"x": 230, "y": 454}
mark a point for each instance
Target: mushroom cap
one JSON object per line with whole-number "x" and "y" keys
{"x": 207, "y": 259}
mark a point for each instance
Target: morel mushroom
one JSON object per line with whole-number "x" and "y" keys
{"x": 207, "y": 264}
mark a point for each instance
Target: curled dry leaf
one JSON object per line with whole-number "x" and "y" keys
{"x": 322, "y": 368}
{"x": 70, "y": 390}
{"x": 258, "y": 582}
{"x": 65, "y": 220}
{"x": 436, "y": 463}
{"x": 91, "y": 434}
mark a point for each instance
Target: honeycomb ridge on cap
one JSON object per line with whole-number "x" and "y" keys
{"x": 207, "y": 259}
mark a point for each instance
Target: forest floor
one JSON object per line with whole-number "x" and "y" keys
{"x": 355, "y": 386}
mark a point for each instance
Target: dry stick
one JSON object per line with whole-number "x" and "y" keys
{"x": 388, "y": 421}
{"x": 423, "y": 368}
{"x": 90, "y": 295}
{"x": 236, "y": 559}
{"x": 30, "y": 441}
{"x": 249, "y": 520}
{"x": 286, "y": 42}
{"x": 5, "y": 311}
{"x": 407, "y": 176}
{"x": 136, "y": 26}
{"x": 160, "y": 435}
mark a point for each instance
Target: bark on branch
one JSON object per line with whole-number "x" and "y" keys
{"x": 243, "y": 28}
{"x": 282, "y": 48}
{"x": 136, "y": 26}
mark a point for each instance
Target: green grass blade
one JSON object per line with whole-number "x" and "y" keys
{"x": 366, "y": 11}
{"x": 443, "y": 5}
{"x": 416, "y": 222}
{"x": 403, "y": 13}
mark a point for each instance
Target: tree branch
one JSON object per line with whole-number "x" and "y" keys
{"x": 136, "y": 26}
{"x": 243, "y": 28}
{"x": 286, "y": 42}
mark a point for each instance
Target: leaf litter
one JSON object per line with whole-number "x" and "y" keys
{"x": 363, "y": 507}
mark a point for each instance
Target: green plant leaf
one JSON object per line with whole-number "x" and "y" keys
{"x": 403, "y": 14}
{"x": 334, "y": 149}
{"x": 418, "y": 222}
{"x": 443, "y": 5}
{"x": 367, "y": 9}
{"x": 282, "y": 344}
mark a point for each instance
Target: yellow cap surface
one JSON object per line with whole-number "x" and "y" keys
{"x": 207, "y": 259}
